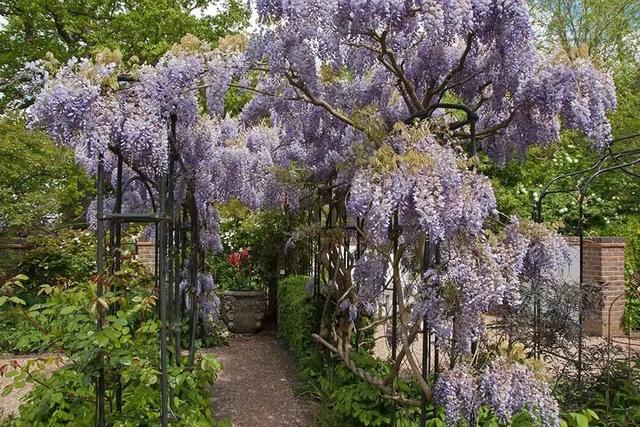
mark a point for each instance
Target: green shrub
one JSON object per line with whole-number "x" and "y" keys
{"x": 296, "y": 315}
{"x": 346, "y": 400}
{"x": 616, "y": 397}
{"x": 58, "y": 259}
{"x": 34, "y": 330}
{"x": 126, "y": 348}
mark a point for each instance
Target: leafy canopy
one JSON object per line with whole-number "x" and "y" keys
{"x": 41, "y": 183}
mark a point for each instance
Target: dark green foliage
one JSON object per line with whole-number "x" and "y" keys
{"x": 621, "y": 387}
{"x": 41, "y": 185}
{"x": 346, "y": 400}
{"x": 59, "y": 259}
{"x": 296, "y": 315}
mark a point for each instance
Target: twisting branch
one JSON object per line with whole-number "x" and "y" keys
{"x": 398, "y": 252}
{"x": 487, "y": 132}
{"x": 443, "y": 86}
{"x": 116, "y": 150}
{"x": 365, "y": 375}
{"x": 309, "y": 97}
{"x": 397, "y": 364}
{"x": 397, "y": 70}
{"x": 426, "y": 113}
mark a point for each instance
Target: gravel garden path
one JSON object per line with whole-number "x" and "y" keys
{"x": 258, "y": 384}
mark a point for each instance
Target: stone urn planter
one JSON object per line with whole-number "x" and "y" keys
{"x": 243, "y": 311}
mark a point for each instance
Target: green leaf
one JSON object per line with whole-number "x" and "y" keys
{"x": 3, "y": 300}
{"x": 8, "y": 389}
{"x": 592, "y": 413}
{"x": 102, "y": 340}
{"x": 68, "y": 309}
{"x": 17, "y": 300}
{"x": 581, "y": 420}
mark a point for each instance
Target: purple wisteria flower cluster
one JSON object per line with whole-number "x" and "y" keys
{"x": 89, "y": 106}
{"x": 506, "y": 387}
{"x": 479, "y": 274}
{"x": 369, "y": 276}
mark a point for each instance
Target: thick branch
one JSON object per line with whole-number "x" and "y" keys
{"x": 396, "y": 69}
{"x": 443, "y": 86}
{"x": 397, "y": 287}
{"x": 115, "y": 150}
{"x": 365, "y": 375}
{"x": 487, "y": 132}
{"x": 67, "y": 37}
{"x": 320, "y": 102}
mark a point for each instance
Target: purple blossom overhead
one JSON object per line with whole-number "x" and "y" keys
{"x": 402, "y": 56}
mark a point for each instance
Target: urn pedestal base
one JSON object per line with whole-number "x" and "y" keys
{"x": 243, "y": 311}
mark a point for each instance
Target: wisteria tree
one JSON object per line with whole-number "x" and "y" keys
{"x": 386, "y": 104}
{"x": 378, "y": 110}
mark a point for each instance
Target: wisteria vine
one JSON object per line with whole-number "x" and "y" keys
{"x": 355, "y": 96}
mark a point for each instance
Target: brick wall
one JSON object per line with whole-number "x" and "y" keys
{"x": 603, "y": 267}
{"x": 146, "y": 254}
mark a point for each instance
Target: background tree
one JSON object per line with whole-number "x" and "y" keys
{"x": 605, "y": 32}
{"x": 41, "y": 183}
{"x": 144, "y": 29}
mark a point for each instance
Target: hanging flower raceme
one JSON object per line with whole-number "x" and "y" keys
{"x": 427, "y": 183}
{"x": 505, "y": 387}
{"x": 457, "y": 391}
{"x": 102, "y": 108}
{"x": 369, "y": 277}
{"x": 478, "y": 274}
{"x": 509, "y": 388}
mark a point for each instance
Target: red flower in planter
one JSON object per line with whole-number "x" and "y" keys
{"x": 241, "y": 263}
{"x": 238, "y": 259}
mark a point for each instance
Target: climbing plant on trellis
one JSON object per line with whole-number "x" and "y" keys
{"x": 372, "y": 116}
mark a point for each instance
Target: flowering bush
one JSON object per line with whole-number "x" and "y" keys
{"x": 242, "y": 277}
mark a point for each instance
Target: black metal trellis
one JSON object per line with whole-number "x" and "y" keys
{"x": 176, "y": 227}
{"x": 609, "y": 162}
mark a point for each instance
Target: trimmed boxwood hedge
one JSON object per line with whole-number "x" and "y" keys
{"x": 296, "y": 315}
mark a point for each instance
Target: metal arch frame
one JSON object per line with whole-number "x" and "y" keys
{"x": 176, "y": 229}
{"x": 585, "y": 178}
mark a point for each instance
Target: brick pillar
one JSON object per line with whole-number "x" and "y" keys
{"x": 146, "y": 251}
{"x": 603, "y": 267}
